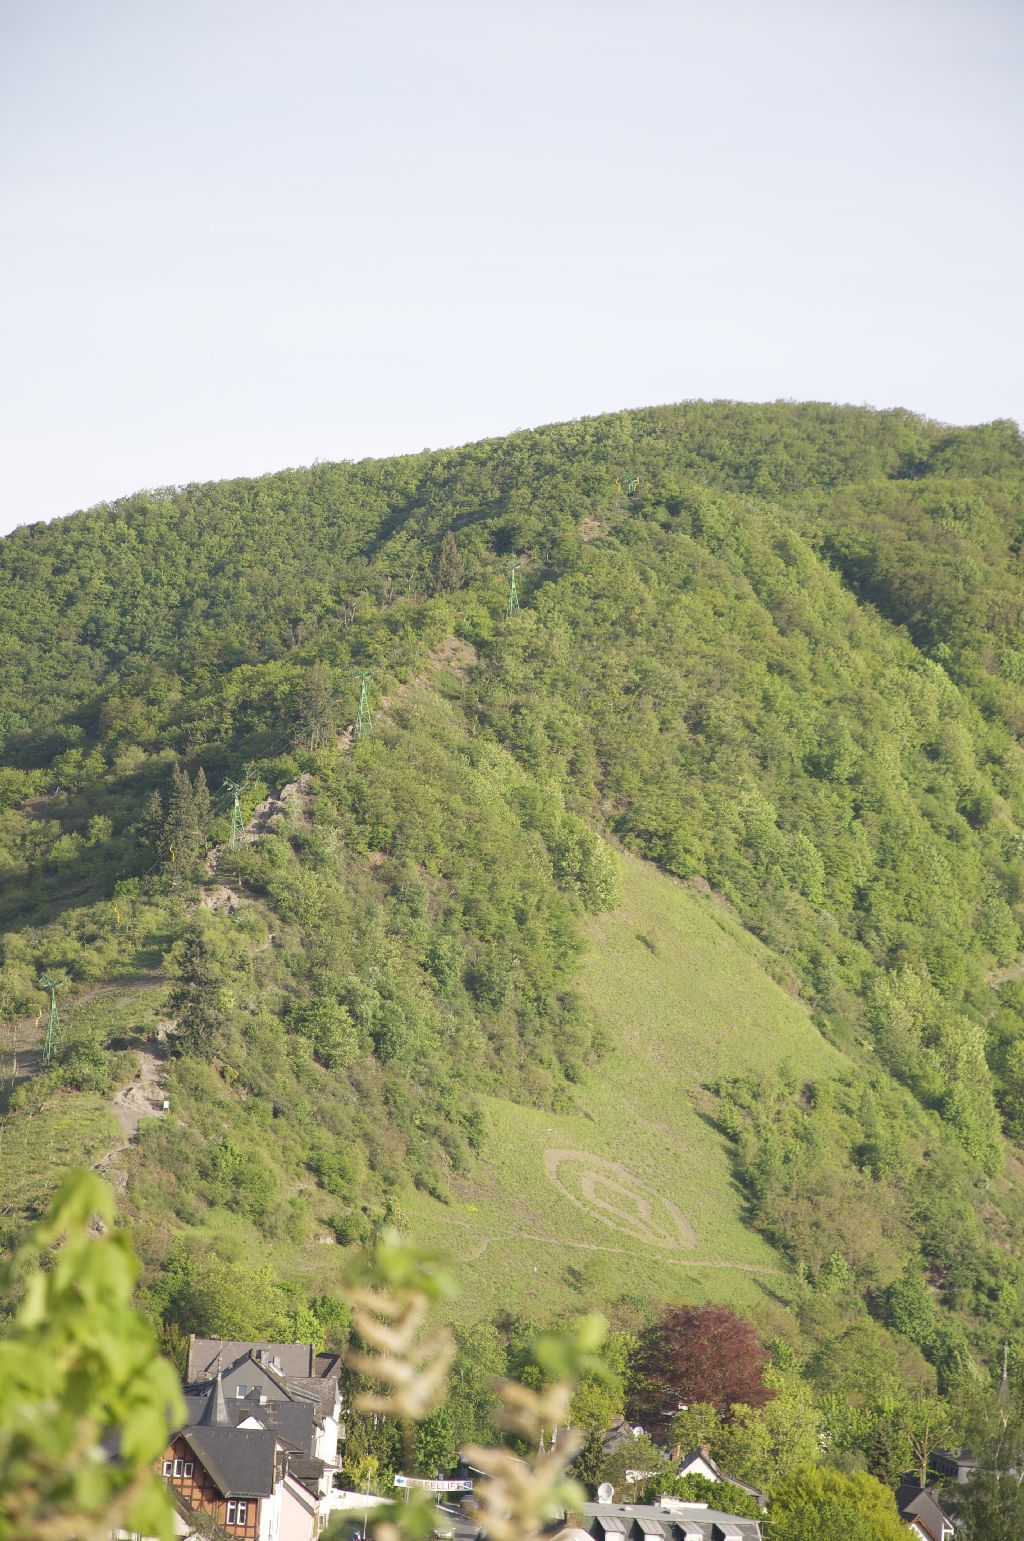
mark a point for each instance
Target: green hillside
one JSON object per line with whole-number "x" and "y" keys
{"x": 633, "y": 1192}
{"x": 775, "y": 652}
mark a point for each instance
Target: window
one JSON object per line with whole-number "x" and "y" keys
{"x": 168, "y": 1468}
{"x": 177, "y": 1468}
{"x": 189, "y": 1468}
{"x": 240, "y": 1391}
{"x": 238, "y": 1508}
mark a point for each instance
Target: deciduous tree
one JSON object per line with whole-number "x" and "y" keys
{"x": 698, "y": 1354}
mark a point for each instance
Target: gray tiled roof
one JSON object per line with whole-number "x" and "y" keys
{"x": 309, "y": 1471}
{"x": 915, "y": 1502}
{"x": 322, "y": 1388}
{"x": 240, "y": 1461}
{"x": 294, "y": 1421}
{"x": 681, "y": 1522}
{"x": 207, "y": 1355}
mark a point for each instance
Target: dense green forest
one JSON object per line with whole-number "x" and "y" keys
{"x": 785, "y": 663}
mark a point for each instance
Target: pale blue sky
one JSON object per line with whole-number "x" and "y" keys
{"x": 235, "y": 237}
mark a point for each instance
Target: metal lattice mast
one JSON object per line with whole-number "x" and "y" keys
{"x": 53, "y": 1036}
{"x": 513, "y": 592}
{"x": 364, "y": 721}
{"x": 630, "y": 484}
{"x": 237, "y": 822}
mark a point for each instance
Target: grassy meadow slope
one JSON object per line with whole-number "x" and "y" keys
{"x": 634, "y": 1194}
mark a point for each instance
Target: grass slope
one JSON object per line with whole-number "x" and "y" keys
{"x": 633, "y": 1195}
{"x": 69, "y": 1128}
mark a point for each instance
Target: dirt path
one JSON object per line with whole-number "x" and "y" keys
{"x": 452, "y": 654}
{"x": 143, "y": 1098}
{"x": 21, "y": 1045}
{"x": 561, "y": 1242}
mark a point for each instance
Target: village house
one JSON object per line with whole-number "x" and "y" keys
{"x": 298, "y": 1385}
{"x": 258, "y": 1449}
{"x": 950, "y": 1466}
{"x": 699, "y": 1463}
{"x": 920, "y": 1509}
{"x": 671, "y": 1519}
{"x": 252, "y": 1480}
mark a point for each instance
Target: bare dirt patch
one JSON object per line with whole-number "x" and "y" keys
{"x": 263, "y": 817}
{"x": 1002, "y": 976}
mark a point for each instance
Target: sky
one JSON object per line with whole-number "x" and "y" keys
{"x": 241, "y": 236}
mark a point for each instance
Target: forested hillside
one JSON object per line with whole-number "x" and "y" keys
{"x": 777, "y": 651}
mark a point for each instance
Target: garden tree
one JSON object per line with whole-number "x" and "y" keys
{"x": 717, "y": 1494}
{"x": 434, "y": 1449}
{"x": 194, "y": 1001}
{"x": 447, "y": 569}
{"x": 600, "y": 1399}
{"x": 480, "y": 1364}
{"x": 697, "y": 1354}
{"x": 79, "y": 1364}
{"x": 764, "y": 1445}
{"x": 373, "y": 1449}
{"x": 818, "y": 1503}
{"x": 883, "y": 1437}
{"x": 317, "y": 722}
{"x": 991, "y": 1507}
{"x": 595, "y": 1404}
{"x": 589, "y": 1464}
{"x": 930, "y": 1427}
{"x": 638, "y": 1455}
{"x": 693, "y": 1426}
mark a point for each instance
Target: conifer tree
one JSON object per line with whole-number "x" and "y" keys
{"x": 189, "y": 813}
{"x": 151, "y": 825}
{"x": 317, "y": 724}
{"x": 202, "y": 807}
{"x": 447, "y": 567}
{"x": 193, "y": 1001}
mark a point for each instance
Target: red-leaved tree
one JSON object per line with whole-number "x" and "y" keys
{"x": 697, "y": 1354}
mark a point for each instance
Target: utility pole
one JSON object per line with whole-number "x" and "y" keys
{"x": 53, "y": 1036}
{"x": 364, "y": 721}
{"x": 513, "y": 592}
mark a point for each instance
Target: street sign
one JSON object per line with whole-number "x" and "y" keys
{"x": 435, "y": 1485}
